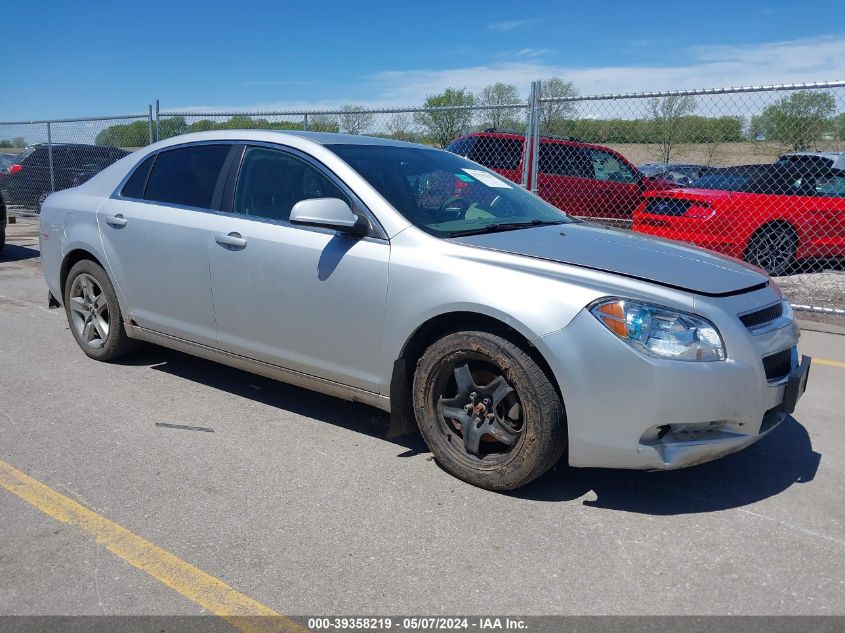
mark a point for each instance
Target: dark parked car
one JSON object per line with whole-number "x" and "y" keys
{"x": 27, "y": 181}
{"x": 682, "y": 173}
{"x": 6, "y": 161}
{"x": 2, "y": 224}
{"x": 728, "y": 178}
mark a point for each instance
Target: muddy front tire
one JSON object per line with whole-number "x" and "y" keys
{"x": 488, "y": 412}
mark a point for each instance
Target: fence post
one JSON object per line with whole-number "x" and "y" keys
{"x": 50, "y": 158}
{"x": 158, "y": 127}
{"x": 526, "y": 146}
{"x": 535, "y": 129}
{"x": 305, "y": 121}
{"x": 531, "y": 148}
{"x": 151, "y": 124}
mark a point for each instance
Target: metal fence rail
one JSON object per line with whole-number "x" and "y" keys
{"x": 746, "y": 171}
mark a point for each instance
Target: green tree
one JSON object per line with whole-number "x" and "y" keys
{"x": 556, "y": 116}
{"x": 499, "y": 94}
{"x": 443, "y": 126}
{"x": 203, "y": 125}
{"x": 135, "y": 134}
{"x": 19, "y": 141}
{"x": 172, "y": 126}
{"x": 798, "y": 120}
{"x": 667, "y": 114}
{"x": 354, "y": 120}
{"x": 6, "y": 143}
{"x": 839, "y": 127}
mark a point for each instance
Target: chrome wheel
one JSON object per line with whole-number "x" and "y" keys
{"x": 89, "y": 311}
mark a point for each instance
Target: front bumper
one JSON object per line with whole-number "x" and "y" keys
{"x": 628, "y": 410}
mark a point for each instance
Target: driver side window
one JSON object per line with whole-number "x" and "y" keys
{"x": 272, "y": 181}
{"x": 609, "y": 167}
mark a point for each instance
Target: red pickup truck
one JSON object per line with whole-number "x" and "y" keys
{"x": 582, "y": 179}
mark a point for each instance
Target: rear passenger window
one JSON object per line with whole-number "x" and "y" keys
{"x": 271, "y": 182}
{"x": 186, "y": 176}
{"x": 134, "y": 187}
{"x": 563, "y": 160}
{"x": 497, "y": 153}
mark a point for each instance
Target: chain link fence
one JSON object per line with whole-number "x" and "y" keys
{"x": 755, "y": 173}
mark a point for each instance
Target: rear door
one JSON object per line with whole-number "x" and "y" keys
{"x": 155, "y": 236}
{"x": 564, "y": 178}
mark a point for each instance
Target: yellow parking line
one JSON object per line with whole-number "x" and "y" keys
{"x": 207, "y": 591}
{"x": 829, "y": 363}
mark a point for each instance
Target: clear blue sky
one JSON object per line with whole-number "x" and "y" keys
{"x": 93, "y": 57}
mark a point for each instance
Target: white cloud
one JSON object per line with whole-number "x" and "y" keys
{"x": 528, "y": 52}
{"x": 508, "y": 25}
{"x": 805, "y": 60}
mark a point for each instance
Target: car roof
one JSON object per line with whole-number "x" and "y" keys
{"x": 279, "y": 136}
{"x": 837, "y": 159}
{"x": 816, "y": 153}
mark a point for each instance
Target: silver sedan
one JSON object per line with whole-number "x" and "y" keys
{"x": 423, "y": 284}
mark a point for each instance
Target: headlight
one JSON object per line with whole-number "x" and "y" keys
{"x": 660, "y": 332}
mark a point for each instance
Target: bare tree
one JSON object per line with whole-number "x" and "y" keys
{"x": 554, "y": 114}
{"x": 499, "y": 94}
{"x": 399, "y": 126}
{"x": 666, "y": 115}
{"x": 354, "y": 119}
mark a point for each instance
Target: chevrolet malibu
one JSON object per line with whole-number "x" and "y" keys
{"x": 421, "y": 283}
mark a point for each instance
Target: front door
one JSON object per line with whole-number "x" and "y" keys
{"x": 617, "y": 188}
{"x": 305, "y": 298}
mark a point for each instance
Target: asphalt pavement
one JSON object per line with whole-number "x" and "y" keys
{"x": 298, "y": 502}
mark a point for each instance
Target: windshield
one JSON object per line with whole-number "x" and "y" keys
{"x": 725, "y": 181}
{"x": 444, "y": 194}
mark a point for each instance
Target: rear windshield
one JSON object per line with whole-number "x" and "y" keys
{"x": 29, "y": 151}
{"x": 805, "y": 160}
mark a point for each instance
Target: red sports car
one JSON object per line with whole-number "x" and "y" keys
{"x": 771, "y": 216}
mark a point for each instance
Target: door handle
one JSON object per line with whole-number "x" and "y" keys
{"x": 116, "y": 220}
{"x": 232, "y": 239}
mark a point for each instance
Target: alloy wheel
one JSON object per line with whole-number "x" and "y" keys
{"x": 89, "y": 310}
{"x": 773, "y": 251}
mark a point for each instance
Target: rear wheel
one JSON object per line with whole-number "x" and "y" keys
{"x": 772, "y": 248}
{"x": 487, "y": 411}
{"x": 93, "y": 313}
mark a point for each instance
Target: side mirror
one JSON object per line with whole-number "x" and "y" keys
{"x": 331, "y": 213}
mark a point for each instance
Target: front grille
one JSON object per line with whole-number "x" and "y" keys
{"x": 777, "y": 365}
{"x": 761, "y": 317}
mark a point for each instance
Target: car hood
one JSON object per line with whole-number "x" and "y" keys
{"x": 660, "y": 261}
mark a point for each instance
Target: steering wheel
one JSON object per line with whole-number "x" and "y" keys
{"x": 458, "y": 204}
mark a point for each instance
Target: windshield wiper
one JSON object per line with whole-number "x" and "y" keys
{"x": 496, "y": 227}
